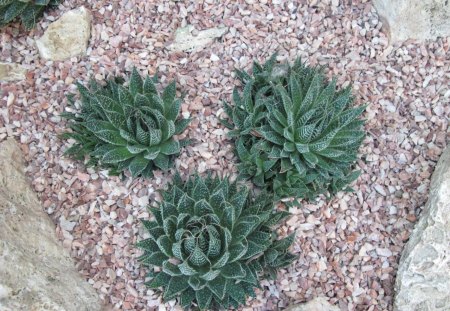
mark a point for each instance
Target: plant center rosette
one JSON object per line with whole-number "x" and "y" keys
{"x": 212, "y": 241}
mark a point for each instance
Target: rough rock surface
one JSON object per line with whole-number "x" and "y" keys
{"x": 187, "y": 39}
{"x": 423, "y": 278}
{"x": 67, "y": 37}
{"x": 35, "y": 271}
{"x": 415, "y": 19}
{"x": 317, "y": 304}
{"x": 11, "y": 72}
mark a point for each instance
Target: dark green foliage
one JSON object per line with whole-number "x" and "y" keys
{"x": 28, "y": 11}
{"x": 213, "y": 243}
{"x": 130, "y": 127}
{"x": 295, "y": 134}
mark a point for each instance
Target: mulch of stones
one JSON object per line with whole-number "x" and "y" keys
{"x": 348, "y": 247}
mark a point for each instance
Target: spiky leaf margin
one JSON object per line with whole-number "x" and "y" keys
{"x": 125, "y": 128}
{"x": 214, "y": 241}
{"x": 300, "y": 136}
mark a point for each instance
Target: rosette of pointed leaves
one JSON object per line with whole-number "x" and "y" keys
{"x": 295, "y": 133}
{"x": 212, "y": 242}
{"x": 28, "y": 11}
{"x": 127, "y": 128}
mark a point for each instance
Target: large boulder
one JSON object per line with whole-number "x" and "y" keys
{"x": 317, "y": 304}
{"x": 423, "y": 277}
{"x": 36, "y": 273}
{"x": 67, "y": 37}
{"x": 415, "y": 19}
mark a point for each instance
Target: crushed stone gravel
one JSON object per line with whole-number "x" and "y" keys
{"x": 348, "y": 247}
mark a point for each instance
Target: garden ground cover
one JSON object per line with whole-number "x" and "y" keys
{"x": 348, "y": 247}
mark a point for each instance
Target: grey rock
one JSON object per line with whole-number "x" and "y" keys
{"x": 36, "y": 273}
{"x": 66, "y": 225}
{"x": 186, "y": 41}
{"x": 317, "y": 304}
{"x": 12, "y": 72}
{"x": 414, "y": 19}
{"x": 67, "y": 37}
{"x": 423, "y": 277}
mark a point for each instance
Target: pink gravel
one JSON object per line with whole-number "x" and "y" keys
{"x": 348, "y": 247}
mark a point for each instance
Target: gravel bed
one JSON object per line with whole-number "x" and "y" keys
{"x": 348, "y": 247}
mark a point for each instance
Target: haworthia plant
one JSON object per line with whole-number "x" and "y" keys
{"x": 212, "y": 241}
{"x": 28, "y": 11}
{"x": 295, "y": 133}
{"x": 127, "y": 128}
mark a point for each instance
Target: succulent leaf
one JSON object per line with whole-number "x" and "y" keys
{"x": 124, "y": 128}
{"x": 27, "y": 11}
{"x": 213, "y": 241}
{"x": 295, "y": 133}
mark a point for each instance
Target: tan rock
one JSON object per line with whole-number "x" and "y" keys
{"x": 67, "y": 37}
{"x": 36, "y": 273}
{"x": 12, "y": 72}
{"x": 317, "y": 304}
{"x": 186, "y": 41}
{"x": 414, "y": 19}
{"x": 423, "y": 276}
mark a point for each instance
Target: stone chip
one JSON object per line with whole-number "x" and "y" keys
{"x": 186, "y": 41}
{"x": 317, "y": 304}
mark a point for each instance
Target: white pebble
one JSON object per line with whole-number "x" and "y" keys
{"x": 380, "y": 190}
{"x": 392, "y": 210}
{"x": 420, "y": 118}
{"x": 384, "y": 252}
{"x": 113, "y": 215}
{"x": 214, "y": 58}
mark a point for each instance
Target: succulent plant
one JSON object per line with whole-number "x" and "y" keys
{"x": 130, "y": 127}
{"x": 295, "y": 133}
{"x": 27, "y": 10}
{"x": 213, "y": 242}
